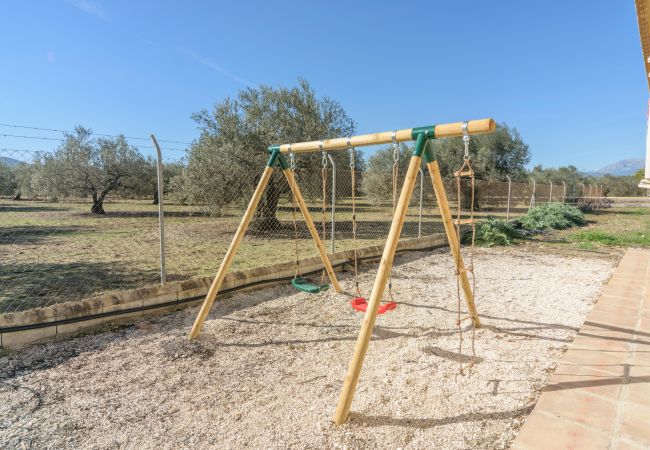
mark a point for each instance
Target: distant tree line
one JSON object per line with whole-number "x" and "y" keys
{"x": 223, "y": 165}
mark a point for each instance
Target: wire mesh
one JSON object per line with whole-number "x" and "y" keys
{"x": 54, "y": 250}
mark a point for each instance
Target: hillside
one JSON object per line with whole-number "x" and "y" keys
{"x": 622, "y": 167}
{"x": 9, "y": 161}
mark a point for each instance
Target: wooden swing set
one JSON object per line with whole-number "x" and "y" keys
{"x": 422, "y": 136}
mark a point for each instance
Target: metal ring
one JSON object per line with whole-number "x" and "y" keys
{"x": 323, "y": 153}
{"x": 393, "y": 137}
{"x": 292, "y": 158}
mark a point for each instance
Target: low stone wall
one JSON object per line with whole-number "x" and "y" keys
{"x": 66, "y": 319}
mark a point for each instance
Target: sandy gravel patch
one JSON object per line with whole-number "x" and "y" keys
{"x": 269, "y": 367}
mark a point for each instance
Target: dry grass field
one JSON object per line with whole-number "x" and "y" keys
{"x": 55, "y": 252}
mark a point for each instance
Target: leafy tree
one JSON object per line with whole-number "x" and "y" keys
{"x": 619, "y": 186}
{"x": 639, "y": 175}
{"x": 83, "y": 166}
{"x": 225, "y": 163}
{"x": 145, "y": 182}
{"x": 569, "y": 174}
{"x": 8, "y": 184}
{"x": 377, "y": 178}
{"x": 23, "y": 177}
{"x": 493, "y": 155}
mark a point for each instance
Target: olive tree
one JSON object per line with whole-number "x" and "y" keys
{"x": 86, "y": 166}
{"x": 8, "y": 184}
{"x": 225, "y": 163}
{"x": 493, "y": 157}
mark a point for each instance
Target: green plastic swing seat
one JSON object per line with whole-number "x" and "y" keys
{"x": 304, "y": 285}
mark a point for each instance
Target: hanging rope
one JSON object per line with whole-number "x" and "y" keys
{"x": 353, "y": 177}
{"x": 324, "y": 202}
{"x": 359, "y": 303}
{"x": 466, "y": 172}
{"x": 394, "y": 183}
{"x": 294, "y": 201}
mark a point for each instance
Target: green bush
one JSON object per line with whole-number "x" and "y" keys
{"x": 491, "y": 232}
{"x": 552, "y": 215}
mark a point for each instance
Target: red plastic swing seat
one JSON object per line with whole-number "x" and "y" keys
{"x": 361, "y": 304}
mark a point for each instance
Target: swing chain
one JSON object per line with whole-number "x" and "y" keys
{"x": 465, "y": 141}
{"x": 292, "y": 158}
{"x": 352, "y": 155}
{"x": 324, "y": 155}
{"x": 393, "y": 137}
{"x": 470, "y": 268}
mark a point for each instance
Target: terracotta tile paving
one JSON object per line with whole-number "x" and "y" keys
{"x": 599, "y": 395}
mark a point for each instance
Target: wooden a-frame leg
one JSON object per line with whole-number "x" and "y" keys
{"x": 291, "y": 179}
{"x": 354, "y": 371}
{"x": 230, "y": 254}
{"x": 452, "y": 238}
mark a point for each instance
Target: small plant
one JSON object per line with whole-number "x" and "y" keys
{"x": 491, "y": 232}
{"x": 552, "y": 215}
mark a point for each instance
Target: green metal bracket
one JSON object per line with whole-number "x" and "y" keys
{"x": 429, "y": 155}
{"x": 420, "y": 144}
{"x": 276, "y": 156}
{"x": 429, "y": 132}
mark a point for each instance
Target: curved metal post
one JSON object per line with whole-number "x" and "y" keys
{"x": 550, "y": 193}
{"x": 161, "y": 219}
{"x": 532, "y": 197}
{"x": 333, "y": 202}
{"x": 508, "y": 204}
{"x": 563, "y": 191}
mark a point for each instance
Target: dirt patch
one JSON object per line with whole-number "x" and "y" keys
{"x": 269, "y": 367}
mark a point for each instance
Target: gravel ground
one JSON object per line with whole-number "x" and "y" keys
{"x": 270, "y": 364}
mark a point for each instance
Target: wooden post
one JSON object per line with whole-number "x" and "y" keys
{"x": 354, "y": 371}
{"x": 288, "y": 173}
{"x": 444, "y": 130}
{"x": 230, "y": 254}
{"x": 452, "y": 237}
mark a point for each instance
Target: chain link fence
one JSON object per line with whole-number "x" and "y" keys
{"x": 54, "y": 250}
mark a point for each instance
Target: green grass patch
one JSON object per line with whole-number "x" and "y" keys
{"x": 623, "y": 239}
{"x": 558, "y": 216}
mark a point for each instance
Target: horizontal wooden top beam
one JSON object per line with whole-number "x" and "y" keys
{"x": 441, "y": 131}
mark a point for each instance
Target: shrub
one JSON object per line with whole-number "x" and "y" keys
{"x": 552, "y": 215}
{"x": 491, "y": 232}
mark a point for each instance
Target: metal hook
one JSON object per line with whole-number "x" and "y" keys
{"x": 465, "y": 140}
{"x": 393, "y": 137}
{"x": 323, "y": 153}
{"x": 292, "y": 158}
{"x": 352, "y": 156}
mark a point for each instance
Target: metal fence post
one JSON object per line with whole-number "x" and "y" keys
{"x": 508, "y": 204}
{"x": 563, "y": 191}
{"x": 421, "y": 197}
{"x": 161, "y": 218}
{"x": 550, "y": 193}
{"x": 333, "y": 203}
{"x": 532, "y": 197}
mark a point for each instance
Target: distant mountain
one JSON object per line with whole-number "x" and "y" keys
{"x": 619, "y": 168}
{"x": 9, "y": 161}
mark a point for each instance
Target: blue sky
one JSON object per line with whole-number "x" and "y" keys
{"x": 567, "y": 74}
